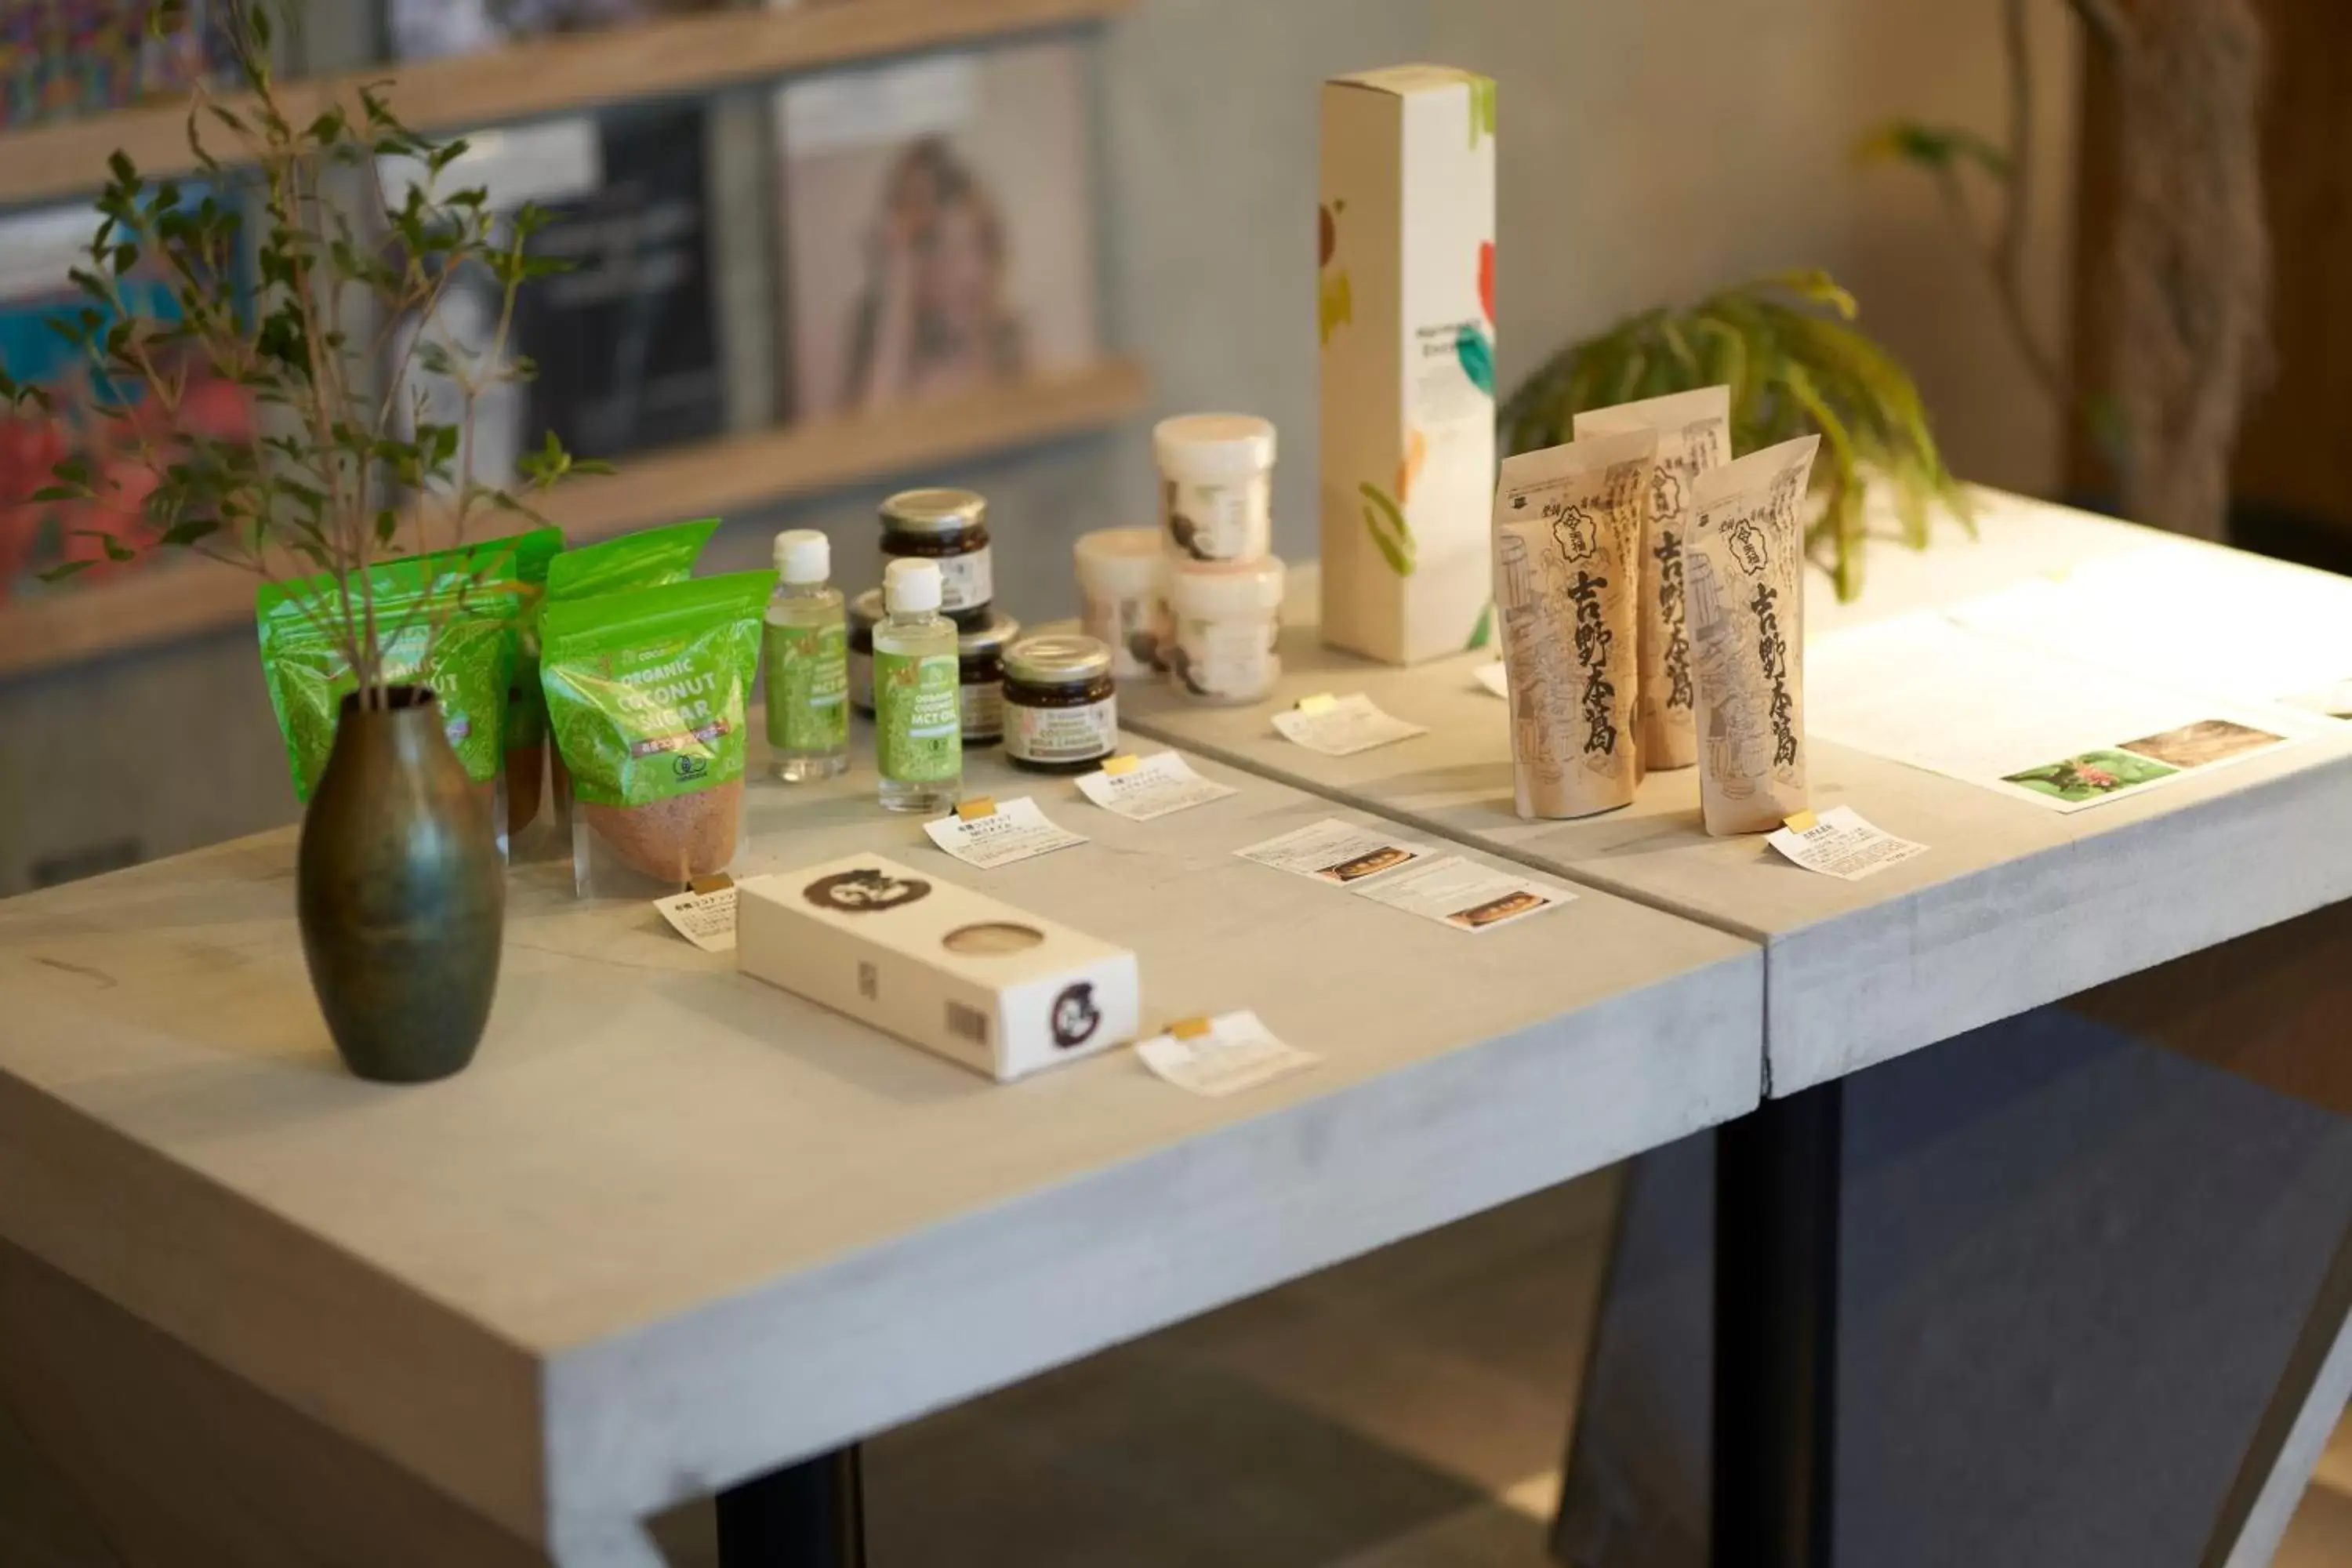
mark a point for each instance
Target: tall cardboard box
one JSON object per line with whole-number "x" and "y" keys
{"x": 1406, "y": 311}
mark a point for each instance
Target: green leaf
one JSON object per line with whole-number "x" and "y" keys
{"x": 1934, "y": 148}
{"x": 189, "y": 530}
{"x": 1392, "y": 535}
{"x": 64, "y": 570}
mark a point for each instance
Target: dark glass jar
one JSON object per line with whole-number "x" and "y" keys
{"x": 949, "y": 527}
{"x": 980, "y": 692}
{"x": 1061, "y": 706}
{"x": 863, "y": 611}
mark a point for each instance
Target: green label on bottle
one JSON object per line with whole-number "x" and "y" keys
{"x": 808, "y": 688}
{"x": 919, "y": 725}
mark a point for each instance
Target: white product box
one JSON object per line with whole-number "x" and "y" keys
{"x": 953, "y": 971}
{"x": 1406, "y": 315}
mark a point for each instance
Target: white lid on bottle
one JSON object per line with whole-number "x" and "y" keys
{"x": 804, "y": 556}
{"x": 1215, "y": 590}
{"x": 1119, "y": 562}
{"x": 911, "y": 587}
{"x": 1212, "y": 448}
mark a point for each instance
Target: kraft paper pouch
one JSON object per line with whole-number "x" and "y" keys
{"x": 1568, "y": 540}
{"x": 1693, "y": 436}
{"x": 1743, "y": 567}
{"x": 649, "y": 692}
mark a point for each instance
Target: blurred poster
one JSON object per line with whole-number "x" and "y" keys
{"x": 936, "y": 229}
{"x": 103, "y": 421}
{"x": 624, "y": 342}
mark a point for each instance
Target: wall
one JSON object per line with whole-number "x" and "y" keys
{"x": 1649, "y": 152}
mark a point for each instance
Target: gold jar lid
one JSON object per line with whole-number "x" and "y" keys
{"x": 933, "y": 511}
{"x": 1057, "y": 660}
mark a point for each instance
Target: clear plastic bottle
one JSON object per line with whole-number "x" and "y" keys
{"x": 806, "y": 645}
{"x": 918, "y": 714}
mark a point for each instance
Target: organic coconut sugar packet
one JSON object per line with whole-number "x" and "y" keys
{"x": 647, "y": 692}
{"x": 1743, "y": 567}
{"x": 646, "y": 559}
{"x": 456, "y": 638}
{"x": 1568, "y": 539}
{"x": 1693, "y": 436}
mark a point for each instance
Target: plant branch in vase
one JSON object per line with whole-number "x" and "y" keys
{"x": 353, "y": 492}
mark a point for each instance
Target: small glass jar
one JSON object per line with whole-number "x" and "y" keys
{"x": 1228, "y": 616}
{"x": 949, "y": 527}
{"x": 1119, "y": 595}
{"x": 1061, "y": 704}
{"x": 979, "y": 656}
{"x": 864, "y": 611}
{"x": 1216, "y": 485}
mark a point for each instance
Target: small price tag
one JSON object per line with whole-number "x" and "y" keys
{"x": 1342, "y": 726}
{"x": 704, "y": 918}
{"x": 1839, "y": 842}
{"x": 1492, "y": 676}
{"x": 1155, "y": 786}
{"x": 1004, "y": 831}
{"x": 1221, "y": 1056}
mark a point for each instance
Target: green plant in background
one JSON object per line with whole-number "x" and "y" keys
{"x": 1787, "y": 347}
{"x": 327, "y": 480}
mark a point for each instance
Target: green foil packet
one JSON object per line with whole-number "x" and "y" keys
{"x": 649, "y": 557}
{"x": 468, "y": 661}
{"x": 648, "y": 690}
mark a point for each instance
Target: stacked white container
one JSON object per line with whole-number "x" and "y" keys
{"x": 1220, "y": 582}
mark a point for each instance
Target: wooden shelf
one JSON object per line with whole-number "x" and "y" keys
{"x": 674, "y": 55}
{"x": 715, "y": 478}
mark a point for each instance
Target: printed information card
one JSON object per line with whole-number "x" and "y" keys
{"x": 1154, "y": 786}
{"x": 1466, "y": 895}
{"x": 706, "y": 919}
{"x": 1342, "y": 726}
{"x": 1839, "y": 842}
{"x": 1336, "y": 852}
{"x": 1233, "y": 1052}
{"x": 1008, "y": 831}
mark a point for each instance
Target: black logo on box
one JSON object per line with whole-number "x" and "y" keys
{"x": 1076, "y": 1017}
{"x": 864, "y": 890}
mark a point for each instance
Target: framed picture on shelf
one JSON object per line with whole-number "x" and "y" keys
{"x": 102, "y": 421}
{"x": 936, "y": 229}
{"x": 625, "y": 342}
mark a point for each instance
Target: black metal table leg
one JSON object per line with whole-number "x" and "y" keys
{"x": 1776, "y": 1186}
{"x": 809, "y": 1515}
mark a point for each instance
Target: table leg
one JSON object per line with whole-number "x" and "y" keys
{"x": 1778, "y": 1176}
{"x": 809, "y": 1515}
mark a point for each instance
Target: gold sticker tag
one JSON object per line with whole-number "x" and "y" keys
{"x": 1125, "y": 763}
{"x": 1322, "y": 701}
{"x": 973, "y": 810}
{"x": 1803, "y": 822}
{"x": 718, "y": 882}
{"x": 1189, "y": 1028}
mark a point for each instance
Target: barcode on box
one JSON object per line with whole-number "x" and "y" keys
{"x": 967, "y": 1023}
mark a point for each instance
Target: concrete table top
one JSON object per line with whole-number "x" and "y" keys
{"x": 2014, "y": 906}
{"x": 674, "y": 1227}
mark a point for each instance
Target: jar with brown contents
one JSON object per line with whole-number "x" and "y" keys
{"x": 949, "y": 527}
{"x": 1061, "y": 706}
{"x": 979, "y": 662}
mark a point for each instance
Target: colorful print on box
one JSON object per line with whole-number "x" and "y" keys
{"x": 1405, "y": 318}
{"x": 61, "y": 59}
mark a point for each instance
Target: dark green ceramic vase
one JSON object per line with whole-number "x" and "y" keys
{"x": 400, "y": 894}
